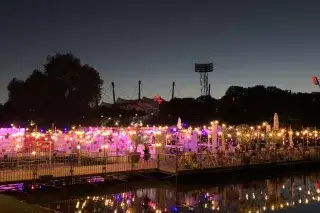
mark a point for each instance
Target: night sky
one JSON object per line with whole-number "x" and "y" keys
{"x": 270, "y": 42}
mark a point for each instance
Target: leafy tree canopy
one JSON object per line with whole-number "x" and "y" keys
{"x": 66, "y": 90}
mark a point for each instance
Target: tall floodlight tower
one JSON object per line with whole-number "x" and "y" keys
{"x": 204, "y": 69}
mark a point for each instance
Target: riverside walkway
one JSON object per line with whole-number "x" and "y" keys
{"x": 42, "y": 168}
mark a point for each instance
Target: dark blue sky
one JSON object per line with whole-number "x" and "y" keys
{"x": 270, "y": 42}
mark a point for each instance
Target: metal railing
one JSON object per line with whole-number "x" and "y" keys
{"x": 40, "y": 167}
{"x": 192, "y": 161}
{"x": 14, "y": 169}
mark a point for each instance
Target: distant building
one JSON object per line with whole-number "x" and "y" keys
{"x": 147, "y": 105}
{"x": 107, "y": 105}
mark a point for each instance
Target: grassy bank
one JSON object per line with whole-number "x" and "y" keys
{"x": 11, "y": 205}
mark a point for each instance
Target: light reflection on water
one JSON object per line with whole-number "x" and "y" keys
{"x": 11, "y": 187}
{"x": 270, "y": 195}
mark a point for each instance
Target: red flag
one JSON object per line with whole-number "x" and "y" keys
{"x": 158, "y": 99}
{"x": 315, "y": 80}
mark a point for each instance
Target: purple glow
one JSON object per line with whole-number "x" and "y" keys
{"x": 11, "y": 187}
{"x": 203, "y": 132}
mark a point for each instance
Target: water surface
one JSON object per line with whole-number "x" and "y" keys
{"x": 297, "y": 193}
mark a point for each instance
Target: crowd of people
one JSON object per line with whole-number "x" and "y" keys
{"x": 242, "y": 154}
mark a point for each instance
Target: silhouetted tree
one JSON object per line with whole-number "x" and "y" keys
{"x": 193, "y": 111}
{"x": 1, "y": 113}
{"x": 16, "y": 99}
{"x": 242, "y": 105}
{"x": 65, "y": 92}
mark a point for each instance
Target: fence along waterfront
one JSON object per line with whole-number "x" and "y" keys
{"x": 16, "y": 169}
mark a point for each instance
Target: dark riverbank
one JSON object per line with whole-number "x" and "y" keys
{"x": 11, "y": 205}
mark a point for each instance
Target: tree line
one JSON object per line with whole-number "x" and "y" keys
{"x": 251, "y": 105}
{"x": 67, "y": 92}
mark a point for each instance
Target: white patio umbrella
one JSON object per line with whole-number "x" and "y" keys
{"x": 179, "y": 124}
{"x": 276, "y": 122}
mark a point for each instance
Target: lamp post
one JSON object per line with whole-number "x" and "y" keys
{"x": 105, "y": 146}
{"x": 79, "y": 139}
{"x": 258, "y": 134}
{"x": 50, "y": 151}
